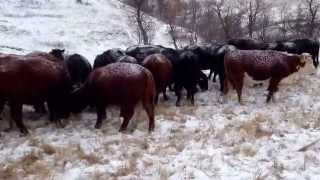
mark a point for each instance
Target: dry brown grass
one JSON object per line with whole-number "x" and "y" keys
{"x": 101, "y": 176}
{"x": 253, "y": 128}
{"x": 48, "y": 149}
{"x": 75, "y": 152}
{"x": 31, "y": 164}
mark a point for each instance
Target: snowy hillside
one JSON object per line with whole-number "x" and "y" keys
{"x": 213, "y": 140}
{"x": 87, "y": 29}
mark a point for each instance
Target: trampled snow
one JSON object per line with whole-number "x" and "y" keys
{"x": 212, "y": 140}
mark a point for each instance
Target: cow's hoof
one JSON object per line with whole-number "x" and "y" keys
{"x": 7, "y": 130}
{"x": 122, "y": 130}
{"x": 59, "y": 124}
{"x": 98, "y": 125}
{"x": 24, "y": 132}
{"x": 241, "y": 103}
{"x": 151, "y": 128}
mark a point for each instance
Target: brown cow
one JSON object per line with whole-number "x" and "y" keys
{"x": 55, "y": 55}
{"x": 161, "y": 69}
{"x": 121, "y": 84}
{"x": 32, "y": 80}
{"x": 260, "y": 65}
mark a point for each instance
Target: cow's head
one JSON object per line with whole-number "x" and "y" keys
{"x": 304, "y": 58}
{"x": 58, "y": 53}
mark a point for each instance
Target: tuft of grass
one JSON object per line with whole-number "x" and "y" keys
{"x": 253, "y": 129}
{"x": 48, "y": 149}
{"x": 75, "y": 152}
{"x": 31, "y": 164}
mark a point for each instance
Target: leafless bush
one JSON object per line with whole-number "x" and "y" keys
{"x": 219, "y": 20}
{"x": 143, "y": 22}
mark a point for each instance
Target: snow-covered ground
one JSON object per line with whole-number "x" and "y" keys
{"x": 212, "y": 140}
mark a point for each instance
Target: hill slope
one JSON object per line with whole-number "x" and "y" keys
{"x": 87, "y": 29}
{"x": 212, "y": 140}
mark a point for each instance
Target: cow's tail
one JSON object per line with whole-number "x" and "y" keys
{"x": 150, "y": 88}
{"x": 317, "y": 53}
{"x": 226, "y": 74}
{"x": 149, "y": 96}
{"x": 225, "y": 83}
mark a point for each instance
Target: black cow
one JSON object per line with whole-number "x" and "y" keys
{"x": 108, "y": 57}
{"x": 141, "y": 52}
{"x": 219, "y": 54}
{"x": 248, "y": 44}
{"x": 299, "y": 46}
{"x": 79, "y": 69}
{"x": 187, "y": 75}
{"x": 207, "y": 57}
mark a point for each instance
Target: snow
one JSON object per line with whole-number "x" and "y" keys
{"x": 85, "y": 29}
{"x": 212, "y": 140}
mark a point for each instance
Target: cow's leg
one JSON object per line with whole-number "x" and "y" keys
{"x": 171, "y": 86}
{"x": 149, "y": 108}
{"x": 210, "y": 74}
{"x": 190, "y": 96}
{"x": 40, "y": 108}
{"x": 52, "y": 111}
{"x": 225, "y": 85}
{"x": 238, "y": 84}
{"x": 215, "y": 74}
{"x": 165, "y": 97}
{"x": 315, "y": 62}
{"x": 178, "y": 89}
{"x": 127, "y": 112}
{"x": 10, "y": 119}
{"x": 192, "y": 99}
{"x": 156, "y": 99}
{"x": 16, "y": 115}
{"x": 273, "y": 87}
{"x": 221, "y": 80}
{"x": 203, "y": 81}
{"x": 214, "y": 79}
{"x": 101, "y": 115}
{"x": 2, "y": 103}
{"x": 54, "y": 114}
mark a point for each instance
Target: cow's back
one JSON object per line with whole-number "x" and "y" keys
{"x": 118, "y": 83}
{"x": 260, "y": 65}
{"x": 31, "y": 79}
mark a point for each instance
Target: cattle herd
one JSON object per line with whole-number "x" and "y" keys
{"x": 65, "y": 84}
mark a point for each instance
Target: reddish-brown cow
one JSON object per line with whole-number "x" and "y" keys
{"x": 121, "y": 84}
{"x": 260, "y": 65}
{"x": 161, "y": 69}
{"x": 55, "y": 55}
{"x": 32, "y": 80}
